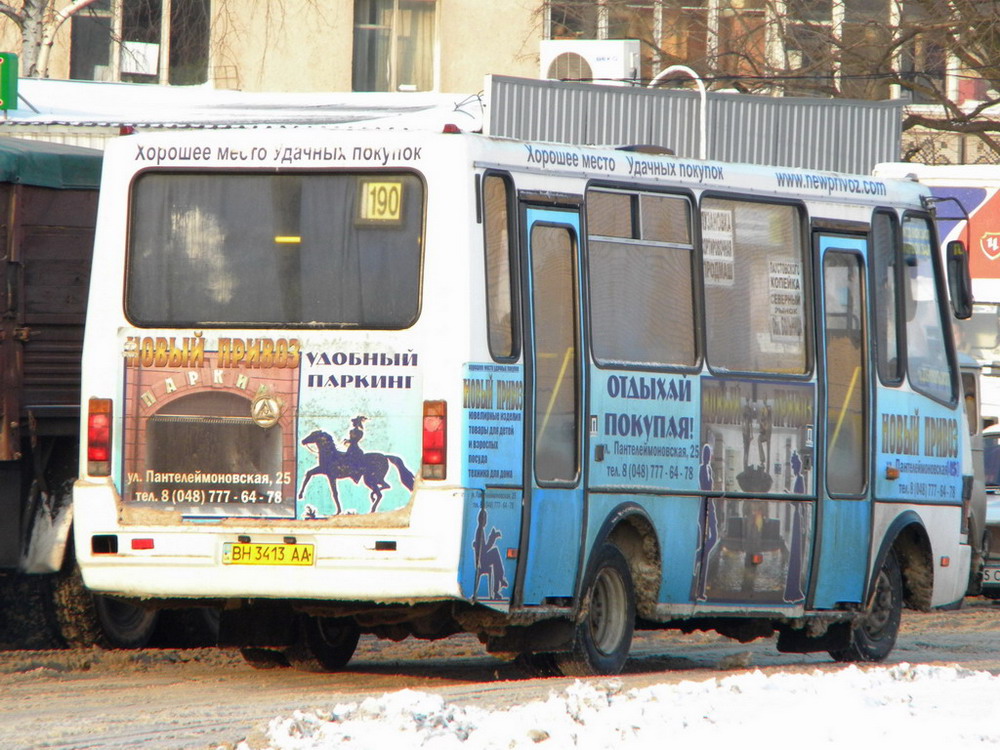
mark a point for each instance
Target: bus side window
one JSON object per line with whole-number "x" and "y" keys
{"x": 846, "y": 378}
{"x": 755, "y": 286}
{"x": 886, "y": 269}
{"x": 928, "y": 358}
{"x": 502, "y": 334}
{"x": 640, "y": 264}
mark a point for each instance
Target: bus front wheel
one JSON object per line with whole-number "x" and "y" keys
{"x": 873, "y": 634}
{"x": 604, "y": 634}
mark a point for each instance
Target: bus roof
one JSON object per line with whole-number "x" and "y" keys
{"x": 49, "y": 165}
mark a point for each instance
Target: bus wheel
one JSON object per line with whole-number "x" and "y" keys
{"x": 604, "y": 635}
{"x": 873, "y": 634}
{"x": 263, "y": 658}
{"x": 124, "y": 624}
{"x": 325, "y": 644}
{"x": 85, "y": 619}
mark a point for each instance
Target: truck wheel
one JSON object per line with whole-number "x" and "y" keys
{"x": 85, "y": 619}
{"x": 604, "y": 635}
{"x": 325, "y": 644}
{"x": 873, "y": 634}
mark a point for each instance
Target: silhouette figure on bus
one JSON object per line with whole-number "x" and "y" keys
{"x": 353, "y": 464}
{"x": 706, "y": 478}
{"x": 489, "y": 562}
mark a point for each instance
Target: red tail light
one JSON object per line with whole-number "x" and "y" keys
{"x": 435, "y": 440}
{"x": 99, "y": 437}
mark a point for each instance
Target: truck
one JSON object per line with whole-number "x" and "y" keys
{"x": 48, "y": 207}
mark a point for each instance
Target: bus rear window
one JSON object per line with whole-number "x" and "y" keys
{"x": 322, "y": 250}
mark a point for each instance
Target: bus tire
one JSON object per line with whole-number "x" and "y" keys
{"x": 124, "y": 624}
{"x": 873, "y": 635}
{"x": 604, "y": 634}
{"x": 85, "y": 619}
{"x": 324, "y": 644}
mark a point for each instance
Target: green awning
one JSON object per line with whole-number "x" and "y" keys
{"x": 50, "y": 165}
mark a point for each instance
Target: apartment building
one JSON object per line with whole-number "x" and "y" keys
{"x": 296, "y": 45}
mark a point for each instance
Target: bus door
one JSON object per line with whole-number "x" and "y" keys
{"x": 844, "y": 517}
{"x": 553, "y": 419}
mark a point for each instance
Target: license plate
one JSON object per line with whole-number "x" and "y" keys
{"x": 252, "y": 553}
{"x": 991, "y": 575}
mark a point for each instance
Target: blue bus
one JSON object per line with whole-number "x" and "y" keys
{"x": 416, "y": 384}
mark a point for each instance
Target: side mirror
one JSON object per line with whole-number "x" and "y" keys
{"x": 959, "y": 279}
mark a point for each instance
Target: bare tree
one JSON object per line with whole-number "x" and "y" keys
{"x": 868, "y": 49}
{"x": 39, "y": 20}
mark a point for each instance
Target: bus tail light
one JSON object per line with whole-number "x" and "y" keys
{"x": 99, "y": 437}
{"x": 435, "y": 440}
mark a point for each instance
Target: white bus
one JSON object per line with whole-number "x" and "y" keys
{"x": 410, "y": 383}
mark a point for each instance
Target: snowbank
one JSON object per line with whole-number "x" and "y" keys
{"x": 904, "y": 705}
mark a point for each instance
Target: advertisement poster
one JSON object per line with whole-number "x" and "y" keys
{"x": 644, "y": 431}
{"x": 922, "y": 446}
{"x": 757, "y": 437}
{"x": 492, "y": 424}
{"x": 359, "y": 427}
{"x": 717, "y": 237}
{"x": 266, "y": 427}
{"x": 490, "y": 542}
{"x": 211, "y": 432}
{"x": 981, "y": 234}
{"x": 755, "y": 551}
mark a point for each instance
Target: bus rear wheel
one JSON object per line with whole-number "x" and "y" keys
{"x": 85, "y": 619}
{"x": 124, "y": 624}
{"x": 325, "y": 644}
{"x": 873, "y": 634}
{"x": 604, "y": 634}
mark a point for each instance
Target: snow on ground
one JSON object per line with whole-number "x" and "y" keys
{"x": 911, "y": 706}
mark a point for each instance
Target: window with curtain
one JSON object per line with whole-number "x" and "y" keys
{"x": 294, "y": 249}
{"x": 394, "y": 45}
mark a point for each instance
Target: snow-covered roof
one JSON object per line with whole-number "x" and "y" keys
{"x": 45, "y": 102}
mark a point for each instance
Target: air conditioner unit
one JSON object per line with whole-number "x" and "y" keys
{"x": 610, "y": 61}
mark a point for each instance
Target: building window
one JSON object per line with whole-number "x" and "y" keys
{"x": 394, "y": 45}
{"x": 91, "y": 45}
{"x": 152, "y": 41}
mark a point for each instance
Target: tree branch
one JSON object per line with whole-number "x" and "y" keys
{"x": 14, "y": 14}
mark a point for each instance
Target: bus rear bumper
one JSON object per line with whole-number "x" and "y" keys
{"x": 278, "y": 560}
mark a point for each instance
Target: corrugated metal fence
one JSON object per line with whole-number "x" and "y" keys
{"x": 840, "y": 135}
